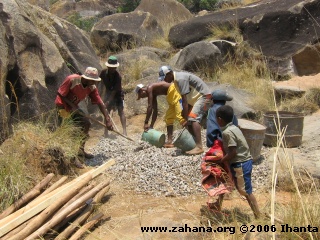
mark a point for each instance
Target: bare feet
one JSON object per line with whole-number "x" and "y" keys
{"x": 195, "y": 151}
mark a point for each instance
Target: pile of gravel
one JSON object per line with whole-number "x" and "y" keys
{"x": 158, "y": 171}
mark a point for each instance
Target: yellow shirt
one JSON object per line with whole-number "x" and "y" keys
{"x": 174, "y": 110}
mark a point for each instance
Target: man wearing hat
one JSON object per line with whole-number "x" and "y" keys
{"x": 114, "y": 94}
{"x": 172, "y": 113}
{"x": 71, "y": 92}
{"x": 195, "y": 96}
{"x": 219, "y": 98}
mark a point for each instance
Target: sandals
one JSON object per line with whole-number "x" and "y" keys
{"x": 168, "y": 145}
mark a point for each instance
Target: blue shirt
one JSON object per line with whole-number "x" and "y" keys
{"x": 213, "y": 130}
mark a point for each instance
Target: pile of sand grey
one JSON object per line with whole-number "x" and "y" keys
{"x": 144, "y": 168}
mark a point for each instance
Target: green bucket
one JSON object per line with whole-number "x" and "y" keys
{"x": 154, "y": 137}
{"x": 184, "y": 141}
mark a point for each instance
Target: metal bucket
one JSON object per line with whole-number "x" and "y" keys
{"x": 154, "y": 137}
{"x": 184, "y": 141}
{"x": 290, "y": 120}
{"x": 254, "y": 133}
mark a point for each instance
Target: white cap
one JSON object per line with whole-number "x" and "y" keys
{"x": 163, "y": 72}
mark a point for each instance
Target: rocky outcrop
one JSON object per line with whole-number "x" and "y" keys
{"x": 278, "y": 28}
{"x": 199, "y": 56}
{"x": 38, "y": 50}
{"x": 307, "y": 60}
{"x": 165, "y": 10}
{"x": 85, "y": 8}
{"x": 45, "y": 4}
{"x": 203, "y": 56}
{"x": 124, "y": 30}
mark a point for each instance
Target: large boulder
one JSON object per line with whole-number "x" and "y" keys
{"x": 203, "y": 55}
{"x": 124, "y": 30}
{"x": 38, "y": 50}
{"x": 85, "y": 8}
{"x": 278, "y": 28}
{"x": 199, "y": 56}
{"x": 173, "y": 10}
{"x": 307, "y": 60}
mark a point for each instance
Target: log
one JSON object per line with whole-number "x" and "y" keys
{"x": 12, "y": 221}
{"x": 79, "y": 194}
{"x": 83, "y": 217}
{"x": 39, "y": 220}
{"x": 54, "y": 186}
{"x": 72, "y": 215}
{"x": 27, "y": 197}
{"x": 22, "y": 226}
{"x": 86, "y": 227}
{"x": 58, "y": 217}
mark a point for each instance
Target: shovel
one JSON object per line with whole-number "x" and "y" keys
{"x": 93, "y": 119}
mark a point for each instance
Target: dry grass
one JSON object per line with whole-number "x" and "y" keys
{"x": 307, "y": 104}
{"x": 24, "y": 154}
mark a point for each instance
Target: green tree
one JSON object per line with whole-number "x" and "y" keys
{"x": 129, "y": 6}
{"x": 198, "y": 5}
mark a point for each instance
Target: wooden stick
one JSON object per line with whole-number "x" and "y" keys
{"x": 83, "y": 217}
{"x": 37, "y": 221}
{"x": 54, "y": 186}
{"x": 27, "y": 197}
{"x": 86, "y": 227}
{"x": 36, "y": 206}
{"x": 58, "y": 217}
{"x": 102, "y": 124}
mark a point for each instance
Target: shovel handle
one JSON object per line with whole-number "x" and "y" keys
{"x": 102, "y": 124}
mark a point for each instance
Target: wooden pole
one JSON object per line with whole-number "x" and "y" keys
{"x": 27, "y": 197}
{"x": 37, "y": 221}
{"x": 58, "y": 217}
{"x": 86, "y": 227}
{"x": 12, "y": 221}
{"x": 54, "y": 186}
{"x": 83, "y": 217}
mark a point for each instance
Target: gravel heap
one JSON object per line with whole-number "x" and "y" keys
{"x": 158, "y": 171}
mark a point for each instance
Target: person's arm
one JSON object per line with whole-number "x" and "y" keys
{"x": 184, "y": 108}
{"x": 232, "y": 153}
{"x": 68, "y": 102}
{"x": 154, "y": 112}
{"x": 110, "y": 97}
{"x": 149, "y": 108}
{"x": 104, "y": 111}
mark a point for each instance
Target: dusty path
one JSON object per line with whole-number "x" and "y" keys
{"x": 129, "y": 211}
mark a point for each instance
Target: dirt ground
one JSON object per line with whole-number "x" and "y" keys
{"x": 128, "y": 211}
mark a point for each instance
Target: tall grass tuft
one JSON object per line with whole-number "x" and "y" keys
{"x": 246, "y": 69}
{"x": 307, "y": 104}
{"x": 20, "y": 162}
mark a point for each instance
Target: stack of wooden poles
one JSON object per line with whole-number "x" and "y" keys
{"x": 62, "y": 211}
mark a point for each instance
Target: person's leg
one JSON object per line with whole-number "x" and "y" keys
{"x": 169, "y": 120}
{"x": 253, "y": 205}
{"x": 195, "y": 117}
{"x": 217, "y": 205}
{"x": 85, "y": 124}
{"x": 170, "y": 136}
{"x": 122, "y": 119}
{"x": 106, "y": 132}
{"x": 242, "y": 173}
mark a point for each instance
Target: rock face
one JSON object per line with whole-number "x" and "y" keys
{"x": 38, "y": 51}
{"x": 278, "y": 28}
{"x": 199, "y": 56}
{"x": 124, "y": 29}
{"x": 307, "y": 60}
{"x": 85, "y": 8}
{"x": 165, "y": 10}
